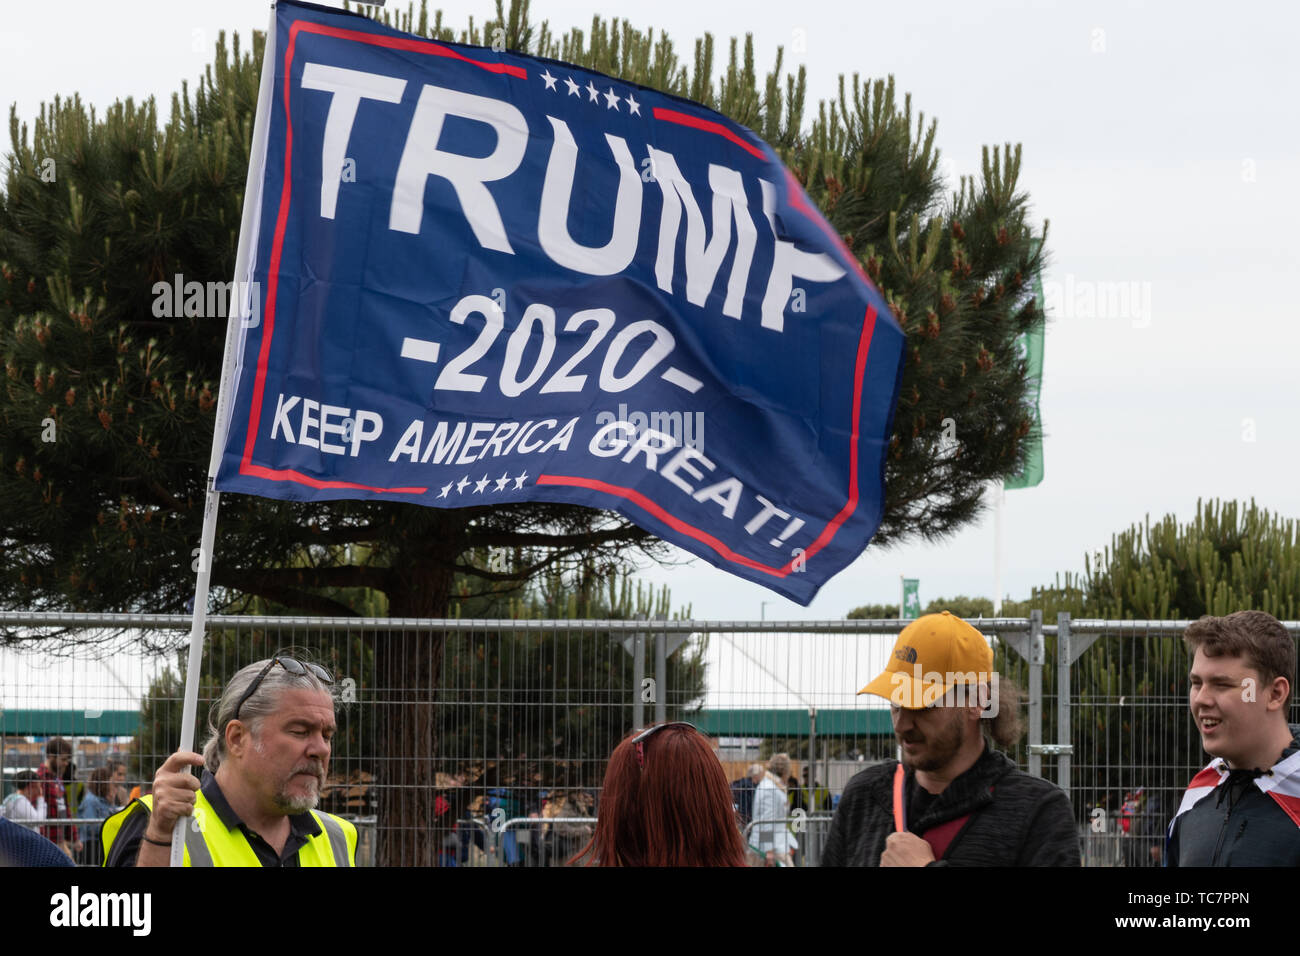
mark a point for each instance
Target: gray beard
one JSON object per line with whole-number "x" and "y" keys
{"x": 289, "y": 804}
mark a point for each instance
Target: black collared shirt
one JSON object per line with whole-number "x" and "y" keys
{"x": 302, "y": 827}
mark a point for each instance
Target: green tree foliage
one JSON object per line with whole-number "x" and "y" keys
{"x": 570, "y": 695}
{"x": 160, "y": 724}
{"x": 107, "y": 514}
{"x": 960, "y": 606}
{"x": 1229, "y": 557}
{"x": 874, "y": 612}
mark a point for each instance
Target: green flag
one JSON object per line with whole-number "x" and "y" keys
{"x": 911, "y": 608}
{"x": 1031, "y": 350}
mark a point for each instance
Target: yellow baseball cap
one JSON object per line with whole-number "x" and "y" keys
{"x": 932, "y": 654}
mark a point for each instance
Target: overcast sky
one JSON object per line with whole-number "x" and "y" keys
{"x": 1161, "y": 140}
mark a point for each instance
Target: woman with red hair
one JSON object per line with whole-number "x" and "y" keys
{"x": 665, "y": 802}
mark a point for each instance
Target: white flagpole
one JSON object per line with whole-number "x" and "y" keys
{"x": 248, "y": 230}
{"x": 999, "y": 500}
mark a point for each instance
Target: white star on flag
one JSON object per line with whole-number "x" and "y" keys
{"x": 611, "y": 100}
{"x": 483, "y": 485}
{"x": 633, "y": 106}
{"x": 573, "y": 87}
{"x": 592, "y": 92}
{"x": 548, "y": 80}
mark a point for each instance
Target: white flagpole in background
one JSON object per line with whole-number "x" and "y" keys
{"x": 248, "y": 230}
{"x": 998, "y": 502}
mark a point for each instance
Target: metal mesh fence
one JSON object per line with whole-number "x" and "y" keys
{"x": 485, "y": 742}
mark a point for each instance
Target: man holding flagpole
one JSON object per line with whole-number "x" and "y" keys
{"x": 1244, "y": 808}
{"x": 265, "y": 766}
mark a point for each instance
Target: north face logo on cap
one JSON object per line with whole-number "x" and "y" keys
{"x": 907, "y": 654}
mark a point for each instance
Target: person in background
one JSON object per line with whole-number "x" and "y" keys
{"x": 97, "y": 805}
{"x": 118, "y": 795}
{"x": 771, "y": 836}
{"x": 58, "y": 757}
{"x": 797, "y": 799}
{"x": 816, "y": 798}
{"x": 1144, "y": 829}
{"x": 140, "y": 790}
{"x": 742, "y": 794}
{"x": 665, "y": 802}
{"x": 72, "y": 790}
{"x": 26, "y": 802}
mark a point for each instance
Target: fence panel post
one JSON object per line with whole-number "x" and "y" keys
{"x": 638, "y": 679}
{"x": 661, "y": 677}
{"x": 1036, "y": 655}
{"x": 1063, "y": 661}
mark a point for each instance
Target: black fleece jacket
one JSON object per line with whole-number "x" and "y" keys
{"x": 1021, "y": 821}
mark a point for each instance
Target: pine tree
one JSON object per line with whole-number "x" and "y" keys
{"x": 1230, "y": 557}
{"x": 107, "y": 410}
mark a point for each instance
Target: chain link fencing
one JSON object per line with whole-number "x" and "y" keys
{"x": 484, "y": 742}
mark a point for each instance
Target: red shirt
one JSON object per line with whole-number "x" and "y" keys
{"x": 56, "y": 806}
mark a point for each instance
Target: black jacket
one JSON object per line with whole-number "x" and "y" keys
{"x": 1023, "y": 821}
{"x": 1237, "y": 824}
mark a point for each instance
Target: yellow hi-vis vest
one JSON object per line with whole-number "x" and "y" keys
{"x": 208, "y": 842}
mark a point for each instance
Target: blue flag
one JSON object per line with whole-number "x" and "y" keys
{"x": 480, "y": 278}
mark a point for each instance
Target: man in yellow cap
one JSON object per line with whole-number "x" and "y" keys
{"x": 953, "y": 800}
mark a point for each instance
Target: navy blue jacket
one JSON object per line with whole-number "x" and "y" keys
{"x": 20, "y": 846}
{"x": 1237, "y": 824}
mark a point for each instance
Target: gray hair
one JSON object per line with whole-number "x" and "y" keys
{"x": 755, "y": 770}
{"x": 779, "y": 765}
{"x": 264, "y": 702}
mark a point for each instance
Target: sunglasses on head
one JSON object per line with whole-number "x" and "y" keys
{"x": 638, "y": 741}
{"x": 295, "y": 667}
